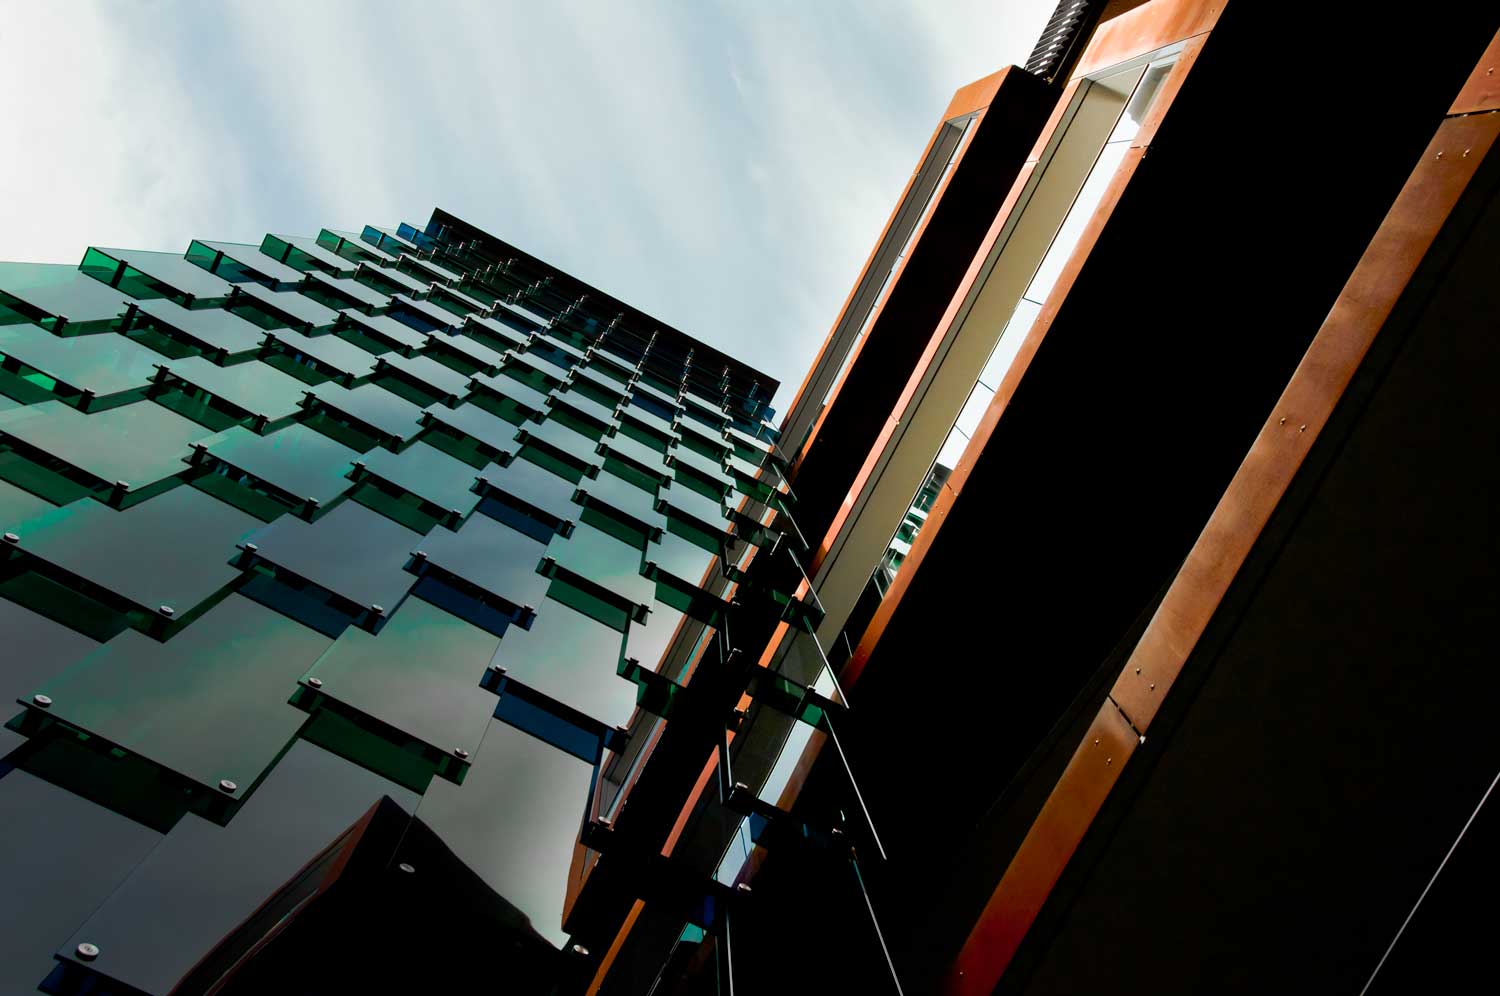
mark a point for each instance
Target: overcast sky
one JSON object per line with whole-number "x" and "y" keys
{"x": 723, "y": 166}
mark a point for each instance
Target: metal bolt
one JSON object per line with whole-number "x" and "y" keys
{"x": 315, "y": 682}
{"x": 251, "y": 548}
{"x": 1440, "y": 155}
{"x": 743, "y": 887}
{"x": 580, "y": 951}
{"x": 1137, "y": 670}
{"x": 1153, "y": 686}
{"x": 378, "y": 610}
{"x": 460, "y": 753}
{"x": 406, "y": 867}
{"x": 228, "y": 786}
{"x": 44, "y": 701}
{"x": 87, "y": 951}
{"x": 166, "y": 610}
{"x": 1109, "y": 760}
{"x": 1281, "y": 421}
{"x": 123, "y": 485}
{"x": 1301, "y": 428}
{"x": 12, "y": 538}
{"x": 1096, "y": 741}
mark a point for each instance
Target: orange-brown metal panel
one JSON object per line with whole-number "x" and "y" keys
{"x": 1067, "y": 813}
{"x": 1336, "y": 352}
{"x": 1146, "y": 28}
{"x": 608, "y": 961}
{"x": 1482, "y": 91}
{"x": 1060, "y": 110}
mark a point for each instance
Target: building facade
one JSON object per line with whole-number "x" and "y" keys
{"x": 1109, "y": 610}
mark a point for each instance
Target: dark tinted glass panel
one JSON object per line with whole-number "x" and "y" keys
{"x": 296, "y": 460}
{"x": 570, "y": 658}
{"x": 16, "y": 506}
{"x": 420, "y": 674}
{"x": 61, "y": 290}
{"x": 378, "y": 408}
{"x": 429, "y": 474}
{"x": 203, "y": 880}
{"x": 329, "y": 350}
{"x": 388, "y": 328}
{"x": 36, "y": 649}
{"x": 174, "y": 271}
{"x": 210, "y": 704}
{"x": 351, "y": 551}
{"x": 138, "y": 443}
{"x": 68, "y": 856}
{"x": 425, "y": 370}
{"x": 213, "y": 328}
{"x": 493, "y": 556}
{"x": 171, "y": 550}
{"x": 255, "y": 387}
{"x": 473, "y": 421}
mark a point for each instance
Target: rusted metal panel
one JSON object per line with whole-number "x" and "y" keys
{"x": 1371, "y": 293}
{"x": 1146, "y": 28}
{"x": 1482, "y": 91}
{"x": 1045, "y": 852}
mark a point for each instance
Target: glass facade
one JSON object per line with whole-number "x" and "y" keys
{"x": 328, "y": 535}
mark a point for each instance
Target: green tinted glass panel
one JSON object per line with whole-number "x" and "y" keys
{"x": 536, "y": 486}
{"x": 61, "y": 290}
{"x": 202, "y": 881}
{"x": 139, "y": 443}
{"x": 493, "y": 556}
{"x": 251, "y": 258}
{"x": 476, "y": 423}
{"x": 255, "y": 387}
{"x": 376, "y": 407}
{"x": 209, "y": 704}
{"x": 444, "y": 381}
{"x": 16, "y": 506}
{"x": 351, "y": 551}
{"x": 384, "y": 327}
{"x": 290, "y": 303}
{"x": 310, "y": 249}
{"x": 36, "y": 648}
{"x": 395, "y": 278}
{"x": 296, "y": 460}
{"x": 558, "y": 436}
{"x": 420, "y": 674}
{"x": 496, "y": 333}
{"x": 332, "y": 352}
{"x": 440, "y": 316}
{"x": 429, "y": 474}
{"x": 648, "y": 457}
{"x": 679, "y": 557}
{"x": 106, "y": 363}
{"x": 349, "y": 288}
{"x": 213, "y": 329}
{"x": 170, "y": 550}
{"x": 475, "y": 352}
{"x": 647, "y": 641}
{"x": 174, "y": 271}
{"x": 523, "y": 395}
{"x": 572, "y": 659}
{"x": 624, "y": 501}
{"x": 600, "y": 558}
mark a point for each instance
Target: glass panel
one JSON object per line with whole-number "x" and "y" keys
{"x": 302, "y": 310}
{"x": 598, "y": 416}
{"x": 209, "y": 704}
{"x": 310, "y": 249}
{"x": 558, "y": 436}
{"x": 498, "y": 335}
{"x": 444, "y": 381}
{"x": 529, "y": 399}
{"x": 647, "y": 641}
{"x": 252, "y": 259}
{"x": 571, "y": 659}
{"x": 345, "y": 358}
{"x": 36, "y": 648}
{"x": 395, "y": 278}
{"x": 513, "y": 821}
{"x": 442, "y": 318}
{"x": 139, "y": 443}
{"x": 492, "y": 555}
{"x": 16, "y": 506}
{"x": 175, "y": 271}
{"x": 599, "y": 574}
{"x": 679, "y": 557}
{"x": 57, "y": 289}
{"x": 650, "y": 459}
{"x": 429, "y": 474}
{"x": 378, "y": 408}
{"x": 349, "y": 288}
{"x": 388, "y": 329}
{"x": 476, "y": 353}
{"x": 219, "y": 331}
{"x": 102, "y": 364}
{"x": 300, "y": 462}
{"x": 476, "y": 423}
{"x": 254, "y": 387}
{"x": 534, "y": 487}
{"x": 624, "y": 500}
{"x": 695, "y": 504}
{"x": 202, "y": 881}
{"x": 352, "y": 551}
{"x": 420, "y": 675}
{"x": 70, "y": 855}
{"x": 172, "y": 550}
